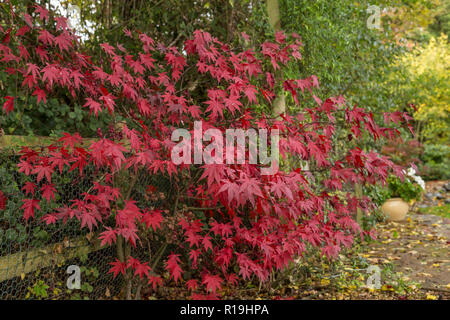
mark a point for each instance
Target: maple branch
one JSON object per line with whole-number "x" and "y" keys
{"x": 159, "y": 255}
{"x": 175, "y": 40}
{"x": 138, "y": 291}
{"x": 133, "y": 182}
{"x": 195, "y": 198}
{"x": 203, "y": 208}
{"x": 176, "y": 201}
{"x": 161, "y": 250}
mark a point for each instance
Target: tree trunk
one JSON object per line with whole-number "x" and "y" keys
{"x": 273, "y": 11}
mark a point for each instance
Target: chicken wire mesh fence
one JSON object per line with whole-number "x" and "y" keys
{"x": 35, "y": 257}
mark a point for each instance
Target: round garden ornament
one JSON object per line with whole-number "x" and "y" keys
{"x": 395, "y": 209}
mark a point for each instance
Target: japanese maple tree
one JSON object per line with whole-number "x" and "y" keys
{"x": 224, "y": 223}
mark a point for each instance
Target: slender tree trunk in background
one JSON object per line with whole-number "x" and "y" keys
{"x": 122, "y": 9}
{"x": 273, "y": 11}
{"x": 106, "y": 13}
{"x": 230, "y": 22}
{"x": 279, "y": 103}
{"x": 103, "y": 6}
{"x": 109, "y": 13}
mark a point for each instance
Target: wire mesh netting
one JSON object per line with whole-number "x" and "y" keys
{"x": 34, "y": 256}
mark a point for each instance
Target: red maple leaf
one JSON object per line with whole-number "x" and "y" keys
{"x": 48, "y": 192}
{"x": 232, "y": 279}
{"x": 155, "y": 281}
{"x": 108, "y": 101}
{"x": 250, "y": 92}
{"x": 46, "y": 37}
{"x": 22, "y": 31}
{"x": 43, "y": 13}
{"x": 117, "y": 267}
{"x": 152, "y": 219}
{"x": 207, "y": 243}
{"x": 173, "y": 267}
{"x": 232, "y": 103}
{"x": 108, "y": 49}
{"x": 8, "y": 105}
{"x": 192, "y": 284}
{"x": 50, "y": 74}
{"x": 140, "y": 269}
{"x": 193, "y": 255}
{"x": 88, "y": 219}
{"x": 57, "y": 160}
{"x": 129, "y": 234}
{"x": 215, "y": 107}
{"x": 40, "y": 95}
{"x": 61, "y": 23}
{"x": 29, "y": 187}
{"x": 43, "y": 170}
{"x": 25, "y": 167}
{"x": 108, "y": 237}
{"x": 63, "y": 42}
{"x": 70, "y": 140}
{"x": 94, "y": 106}
{"x": 28, "y": 19}
{"x": 50, "y": 218}
{"x": 29, "y": 205}
{"x": 212, "y": 282}
{"x": 144, "y": 107}
{"x": 280, "y": 37}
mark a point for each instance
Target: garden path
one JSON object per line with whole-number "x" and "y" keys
{"x": 419, "y": 246}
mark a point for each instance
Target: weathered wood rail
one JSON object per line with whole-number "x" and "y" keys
{"x": 56, "y": 254}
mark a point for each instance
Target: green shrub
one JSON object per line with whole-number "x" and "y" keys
{"x": 436, "y": 162}
{"x": 405, "y": 189}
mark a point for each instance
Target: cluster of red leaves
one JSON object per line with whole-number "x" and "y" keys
{"x": 261, "y": 222}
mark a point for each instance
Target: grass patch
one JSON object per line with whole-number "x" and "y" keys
{"x": 442, "y": 210}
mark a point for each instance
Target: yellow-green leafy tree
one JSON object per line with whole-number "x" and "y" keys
{"x": 428, "y": 78}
